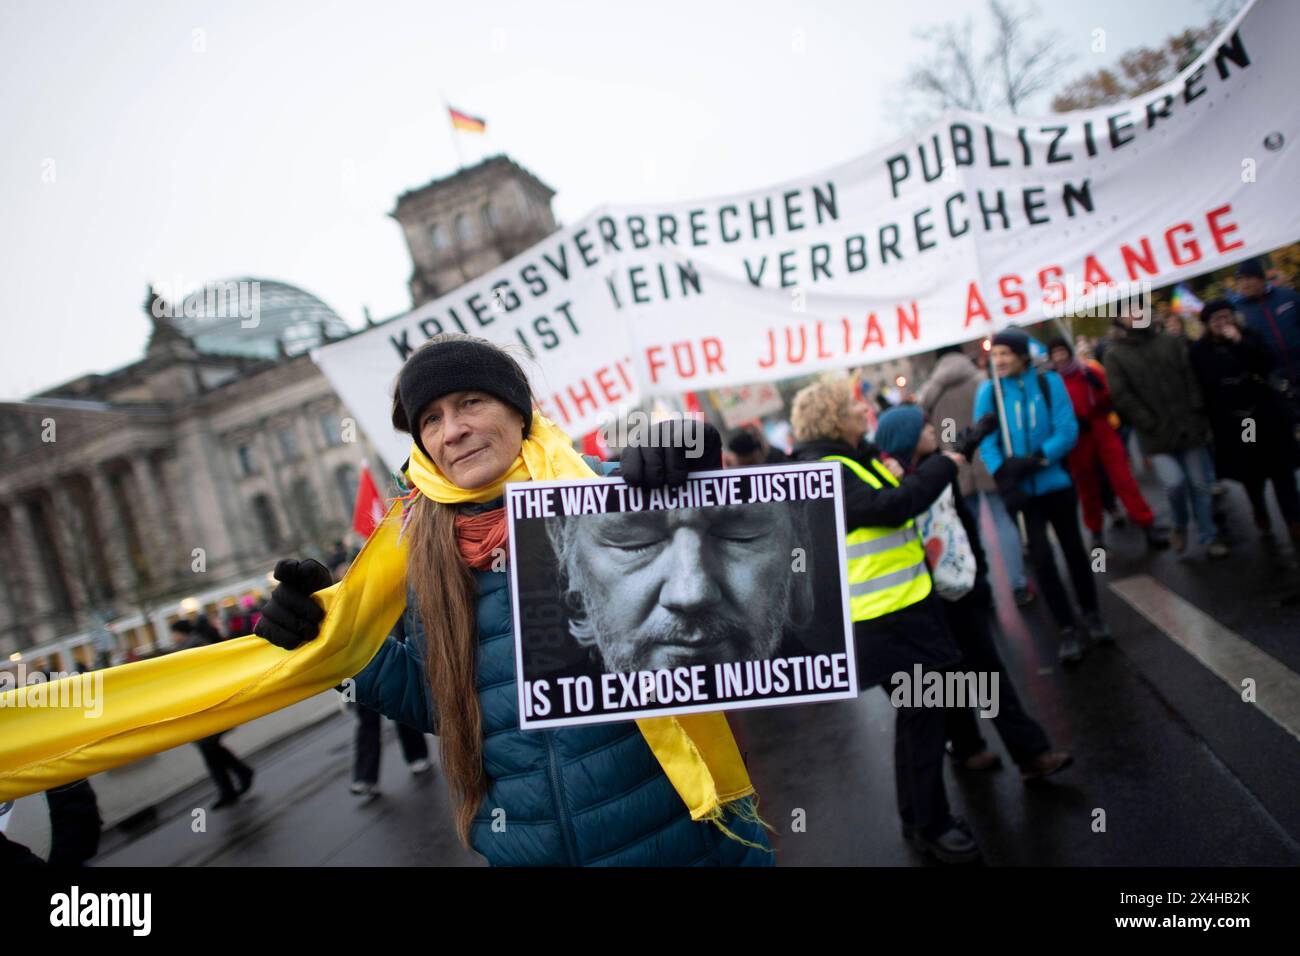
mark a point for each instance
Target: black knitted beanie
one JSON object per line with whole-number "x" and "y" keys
{"x": 458, "y": 364}
{"x": 1013, "y": 339}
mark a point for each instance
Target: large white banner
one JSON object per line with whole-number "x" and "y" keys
{"x": 969, "y": 224}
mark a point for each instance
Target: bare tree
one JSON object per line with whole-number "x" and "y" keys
{"x": 1005, "y": 75}
{"x": 1142, "y": 69}
{"x": 1025, "y": 64}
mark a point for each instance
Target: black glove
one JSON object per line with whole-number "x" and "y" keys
{"x": 1013, "y": 471}
{"x": 291, "y": 617}
{"x": 1016, "y": 469}
{"x": 661, "y": 457}
{"x": 968, "y": 441}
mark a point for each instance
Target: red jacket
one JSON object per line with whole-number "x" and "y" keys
{"x": 1089, "y": 391}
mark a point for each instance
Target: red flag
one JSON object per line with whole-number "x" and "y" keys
{"x": 369, "y": 509}
{"x": 593, "y": 443}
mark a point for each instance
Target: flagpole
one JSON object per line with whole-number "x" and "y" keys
{"x": 1004, "y": 427}
{"x": 455, "y": 142}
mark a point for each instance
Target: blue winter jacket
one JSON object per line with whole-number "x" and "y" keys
{"x": 590, "y": 796}
{"x": 1034, "y": 428}
{"x": 1275, "y": 316}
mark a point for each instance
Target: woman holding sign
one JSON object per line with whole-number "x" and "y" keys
{"x": 664, "y": 791}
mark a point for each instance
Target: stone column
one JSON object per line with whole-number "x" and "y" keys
{"x": 276, "y": 491}
{"x": 164, "y": 558}
{"x": 112, "y": 526}
{"x": 317, "y": 471}
{"x": 15, "y": 575}
{"x": 28, "y": 555}
{"x": 70, "y": 543}
{"x": 180, "y": 520}
{"x": 216, "y": 517}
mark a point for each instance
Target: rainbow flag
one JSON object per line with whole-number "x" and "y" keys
{"x": 1183, "y": 302}
{"x": 465, "y": 122}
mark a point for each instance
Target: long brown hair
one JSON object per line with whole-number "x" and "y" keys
{"x": 446, "y": 598}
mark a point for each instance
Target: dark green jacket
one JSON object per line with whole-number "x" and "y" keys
{"x": 1155, "y": 390}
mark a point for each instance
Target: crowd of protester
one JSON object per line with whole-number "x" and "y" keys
{"x": 1052, "y": 443}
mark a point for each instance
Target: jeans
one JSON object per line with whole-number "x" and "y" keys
{"x": 1185, "y": 474}
{"x": 1060, "y": 510}
{"x": 1211, "y": 475}
{"x": 1008, "y": 534}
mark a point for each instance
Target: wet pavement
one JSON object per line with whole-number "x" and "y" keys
{"x": 1186, "y": 772}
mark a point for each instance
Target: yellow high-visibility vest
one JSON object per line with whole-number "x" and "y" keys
{"x": 887, "y": 570}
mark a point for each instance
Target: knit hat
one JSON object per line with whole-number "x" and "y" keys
{"x": 1251, "y": 268}
{"x": 898, "y": 430}
{"x": 1215, "y": 305}
{"x": 1013, "y": 339}
{"x": 743, "y": 443}
{"x": 1059, "y": 342}
{"x": 455, "y": 364}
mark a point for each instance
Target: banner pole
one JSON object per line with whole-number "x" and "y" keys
{"x": 1004, "y": 429}
{"x": 1003, "y": 425}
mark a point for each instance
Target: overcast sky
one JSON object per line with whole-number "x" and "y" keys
{"x": 193, "y": 141}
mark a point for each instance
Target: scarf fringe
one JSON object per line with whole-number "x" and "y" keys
{"x": 744, "y": 809}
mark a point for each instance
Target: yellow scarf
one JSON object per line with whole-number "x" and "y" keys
{"x": 153, "y": 705}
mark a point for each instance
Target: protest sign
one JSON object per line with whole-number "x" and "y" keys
{"x": 728, "y": 592}
{"x": 747, "y": 403}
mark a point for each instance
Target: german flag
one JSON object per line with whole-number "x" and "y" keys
{"x": 465, "y": 122}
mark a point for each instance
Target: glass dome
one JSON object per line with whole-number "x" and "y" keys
{"x": 247, "y": 316}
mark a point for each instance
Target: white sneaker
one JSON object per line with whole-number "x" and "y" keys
{"x": 420, "y": 766}
{"x": 362, "y": 789}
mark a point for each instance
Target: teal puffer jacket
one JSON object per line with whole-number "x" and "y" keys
{"x": 589, "y": 796}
